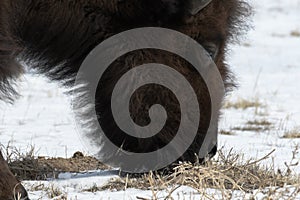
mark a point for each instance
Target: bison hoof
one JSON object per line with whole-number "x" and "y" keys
{"x": 20, "y": 193}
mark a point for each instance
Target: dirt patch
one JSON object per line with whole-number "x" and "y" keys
{"x": 42, "y": 168}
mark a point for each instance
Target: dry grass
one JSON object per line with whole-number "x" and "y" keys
{"x": 51, "y": 191}
{"x": 295, "y": 33}
{"x": 227, "y": 173}
{"x": 230, "y": 172}
{"x": 246, "y": 44}
{"x": 55, "y": 192}
{"x": 249, "y": 128}
{"x": 243, "y": 104}
{"x": 259, "y": 123}
{"x": 292, "y": 134}
{"x": 255, "y": 126}
{"x": 224, "y": 132}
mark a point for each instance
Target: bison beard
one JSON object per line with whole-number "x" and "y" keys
{"x": 54, "y": 37}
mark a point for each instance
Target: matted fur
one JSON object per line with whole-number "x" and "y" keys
{"x": 54, "y": 37}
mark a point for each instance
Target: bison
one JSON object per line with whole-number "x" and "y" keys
{"x": 54, "y": 37}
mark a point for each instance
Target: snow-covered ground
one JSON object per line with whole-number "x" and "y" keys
{"x": 268, "y": 69}
{"x": 267, "y": 66}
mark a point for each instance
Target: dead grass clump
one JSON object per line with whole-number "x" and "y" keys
{"x": 295, "y": 33}
{"x": 292, "y": 134}
{"x": 259, "y": 123}
{"x": 50, "y": 190}
{"x": 255, "y": 126}
{"x": 143, "y": 182}
{"x": 246, "y": 44}
{"x": 231, "y": 172}
{"x": 224, "y": 132}
{"x": 249, "y": 128}
{"x": 228, "y": 173}
{"x": 55, "y": 192}
{"x": 243, "y": 104}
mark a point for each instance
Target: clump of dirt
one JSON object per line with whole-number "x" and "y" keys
{"x": 42, "y": 168}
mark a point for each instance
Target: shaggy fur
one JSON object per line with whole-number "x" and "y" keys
{"x": 54, "y": 36}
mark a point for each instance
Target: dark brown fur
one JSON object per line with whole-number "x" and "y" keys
{"x": 9, "y": 185}
{"x": 54, "y": 37}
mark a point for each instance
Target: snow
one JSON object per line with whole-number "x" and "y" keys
{"x": 267, "y": 68}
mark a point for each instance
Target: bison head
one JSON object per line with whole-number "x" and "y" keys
{"x": 55, "y": 37}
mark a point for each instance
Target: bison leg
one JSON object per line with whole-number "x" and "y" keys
{"x": 10, "y": 187}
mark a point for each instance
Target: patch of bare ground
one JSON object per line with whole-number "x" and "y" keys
{"x": 26, "y": 166}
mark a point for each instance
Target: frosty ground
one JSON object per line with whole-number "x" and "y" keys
{"x": 260, "y": 116}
